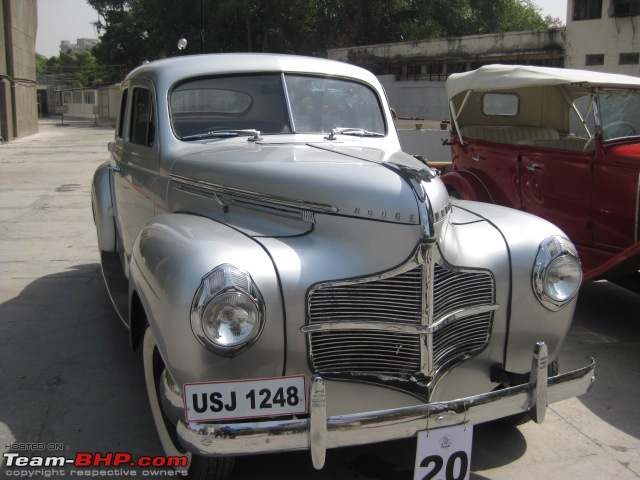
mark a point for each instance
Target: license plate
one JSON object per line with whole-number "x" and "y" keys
{"x": 264, "y": 397}
{"x": 444, "y": 453}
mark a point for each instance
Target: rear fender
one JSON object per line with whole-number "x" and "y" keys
{"x": 170, "y": 257}
{"x": 102, "y": 204}
{"x": 467, "y": 185}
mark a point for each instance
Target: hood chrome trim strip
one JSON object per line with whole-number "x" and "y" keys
{"x": 222, "y": 191}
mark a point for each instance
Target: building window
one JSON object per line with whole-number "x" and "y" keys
{"x": 594, "y": 59}
{"x": 629, "y": 58}
{"x": 66, "y": 97}
{"x": 456, "y": 68}
{"x": 77, "y": 97}
{"x": 587, "y": 9}
{"x": 397, "y": 71}
{"x": 624, "y": 8}
{"x": 89, "y": 98}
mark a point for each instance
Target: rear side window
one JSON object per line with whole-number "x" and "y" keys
{"x": 142, "y": 118}
{"x": 500, "y": 104}
{"x": 123, "y": 112}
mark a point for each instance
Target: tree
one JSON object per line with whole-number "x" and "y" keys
{"x": 76, "y": 69}
{"x": 138, "y": 30}
{"x": 41, "y": 64}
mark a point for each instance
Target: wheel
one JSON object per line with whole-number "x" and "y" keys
{"x": 522, "y": 418}
{"x": 199, "y": 468}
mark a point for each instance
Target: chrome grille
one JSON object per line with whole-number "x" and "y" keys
{"x": 461, "y": 339}
{"x": 399, "y": 301}
{"x": 458, "y": 290}
{"x": 394, "y": 299}
{"x": 359, "y": 351}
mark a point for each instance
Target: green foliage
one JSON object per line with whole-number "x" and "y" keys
{"x": 41, "y": 64}
{"x": 79, "y": 69}
{"x": 138, "y": 30}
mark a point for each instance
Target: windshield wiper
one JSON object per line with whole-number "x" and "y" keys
{"x": 254, "y": 134}
{"x": 358, "y": 132}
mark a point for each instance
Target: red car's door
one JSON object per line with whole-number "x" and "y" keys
{"x": 495, "y": 165}
{"x": 556, "y": 185}
{"x": 616, "y": 196}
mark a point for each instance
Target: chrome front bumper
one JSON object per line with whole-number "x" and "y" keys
{"x": 319, "y": 432}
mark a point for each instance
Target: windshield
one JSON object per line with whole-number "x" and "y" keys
{"x": 619, "y": 113}
{"x": 221, "y": 107}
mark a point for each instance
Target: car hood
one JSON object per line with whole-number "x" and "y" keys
{"x": 332, "y": 178}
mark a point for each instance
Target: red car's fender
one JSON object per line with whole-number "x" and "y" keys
{"x": 466, "y": 186}
{"x": 623, "y": 263}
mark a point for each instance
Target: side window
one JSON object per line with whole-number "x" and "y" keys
{"x": 142, "y": 118}
{"x": 121, "y": 115}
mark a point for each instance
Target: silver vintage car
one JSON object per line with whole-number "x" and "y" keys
{"x": 297, "y": 282}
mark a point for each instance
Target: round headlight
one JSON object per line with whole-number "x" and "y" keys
{"x": 231, "y": 319}
{"x": 228, "y": 311}
{"x": 557, "y": 273}
{"x": 563, "y": 277}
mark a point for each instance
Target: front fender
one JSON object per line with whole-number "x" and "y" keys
{"x": 102, "y": 204}
{"x": 468, "y": 186}
{"x": 529, "y": 320}
{"x": 171, "y": 255}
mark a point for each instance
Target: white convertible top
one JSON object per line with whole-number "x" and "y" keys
{"x": 503, "y": 77}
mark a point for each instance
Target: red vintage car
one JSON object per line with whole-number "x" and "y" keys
{"x": 558, "y": 143}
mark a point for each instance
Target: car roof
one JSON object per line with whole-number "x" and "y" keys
{"x": 507, "y": 77}
{"x": 170, "y": 70}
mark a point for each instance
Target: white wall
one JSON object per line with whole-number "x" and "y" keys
{"x": 416, "y": 99}
{"x": 427, "y": 143}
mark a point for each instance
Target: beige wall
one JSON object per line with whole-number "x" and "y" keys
{"x": 608, "y": 36}
{"x": 18, "y": 93}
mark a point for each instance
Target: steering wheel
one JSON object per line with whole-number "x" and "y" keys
{"x": 630, "y": 126}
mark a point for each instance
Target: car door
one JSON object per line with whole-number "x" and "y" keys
{"x": 556, "y": 185}
{"x": 136, "y": 164}
{"x": 496, "y": 166}
{"x": 616, "y": 195}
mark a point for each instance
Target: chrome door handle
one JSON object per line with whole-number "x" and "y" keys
{"x": 115, "y": 169}
{"x": 477, "y": 158}
{"x": 532, "y": 167}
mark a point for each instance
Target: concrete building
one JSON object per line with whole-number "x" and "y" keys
{"x": 81, "y": 45}
{"x": 603, "y": 35}
{"x": 436, "y": 59}
{"x": 18, "y": 96}
{"x": 99, "y": 103}
{"x": 413, "y": 73}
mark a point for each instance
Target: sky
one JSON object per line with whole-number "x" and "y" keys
{"x": 72, "y": 19}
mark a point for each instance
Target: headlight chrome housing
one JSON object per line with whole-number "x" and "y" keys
{"x": 228, "y": 311}
{"x": 557, "y": 273}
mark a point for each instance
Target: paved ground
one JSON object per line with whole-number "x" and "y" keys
{"x": 69, "y": 382}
